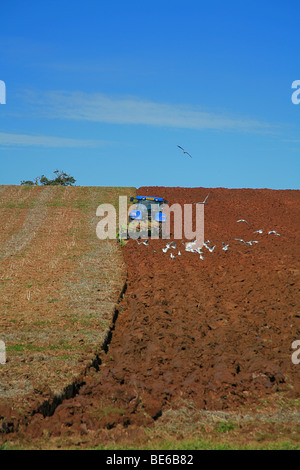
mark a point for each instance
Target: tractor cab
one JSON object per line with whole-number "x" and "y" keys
{"x": 148, "y": 208}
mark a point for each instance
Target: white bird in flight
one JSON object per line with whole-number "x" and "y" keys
{"x": 203, "y": 202}
{"x": 211, "y": 248}
{"x": 243, "y": 220}
{"x": 258, "y": 231}
{"x": 146, "y": 242}
{"x": 189, "y": 246}
{"x": 274, "y": 232}
{"x": 184, "y": 151}
{"x": 241, "y": 240}
{"x": 208, "y": 247}
{"x": 168, "y": 246}
{"x": 225, "y": 247}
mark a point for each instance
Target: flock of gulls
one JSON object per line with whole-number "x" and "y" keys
{"x": 192, "y": 246}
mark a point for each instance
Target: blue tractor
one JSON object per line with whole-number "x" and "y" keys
{"x": 149, "y": 213}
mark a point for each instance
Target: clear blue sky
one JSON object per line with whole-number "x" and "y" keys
{"x": 106, "y": 90}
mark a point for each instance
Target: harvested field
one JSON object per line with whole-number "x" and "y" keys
{"x": 58, "y": 288}
{"x": 195, "y": 344}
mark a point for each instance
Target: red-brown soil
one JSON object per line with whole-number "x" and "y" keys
{"x": 215, "y": 332}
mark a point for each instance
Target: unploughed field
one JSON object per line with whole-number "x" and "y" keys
{"x": 111, "y": 345}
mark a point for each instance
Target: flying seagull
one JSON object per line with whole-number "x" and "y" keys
{"x": 243, "y": 220}
{"x": 258, "y": 231}
{"x": 241, "y": 240}
{"x": 168, "y": 246}
{"x": 189, "y": 246}
{"x": 225, "y": 247}
{"x": 205, "y": 244}
{"x": 146, "y": 242}
{"x": 203, "y": 202}
{"x": 210, "y": 248}
{"x": 273, "y": 231}
{"x": 184, "y": 151}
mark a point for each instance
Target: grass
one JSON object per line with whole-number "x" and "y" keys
{"x": 203, "y": 444}
{"x": 211, "y": 445}
{"x": 103, "y": 411}
{"x": 204, "y": 441}
{"x": 224, "y": 427}
{"x": 34, "y": 347}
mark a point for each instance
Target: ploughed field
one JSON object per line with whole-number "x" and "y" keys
{"x": 208, "y": 335}
{"x": 216, "y": 332}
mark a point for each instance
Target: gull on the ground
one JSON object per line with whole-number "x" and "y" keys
{"x": 172, "y": 256}
{"x": 179, "y": 254}
{"x": 202, "y": 257}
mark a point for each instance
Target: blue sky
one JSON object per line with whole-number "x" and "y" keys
{"x": 105, "y": 91}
